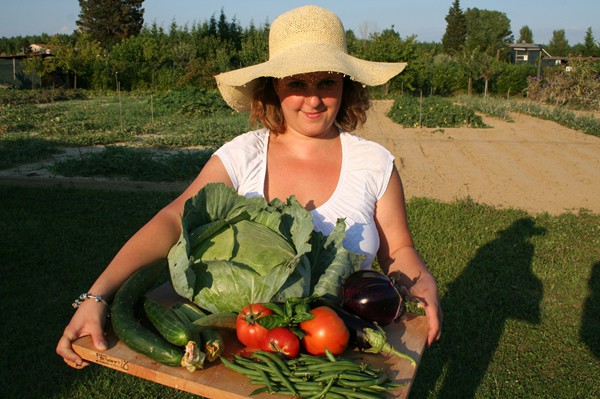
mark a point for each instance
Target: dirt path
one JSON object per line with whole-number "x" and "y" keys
{"x": 531, "y": 164}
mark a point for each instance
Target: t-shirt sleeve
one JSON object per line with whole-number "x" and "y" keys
{"x": 224, "y": 153}
{"x": 244, "y": 159}
{"x": 378, "y": 168}
{"x": 388, "y": 166}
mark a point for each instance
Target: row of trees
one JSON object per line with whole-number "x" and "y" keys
{"x": 490, "y": 31}
{"x": 473, "y": 55}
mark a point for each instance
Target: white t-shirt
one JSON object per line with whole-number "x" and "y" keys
{"x": 366, "y": 171}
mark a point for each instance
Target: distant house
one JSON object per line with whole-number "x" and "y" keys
{"x": 525, "y": 53}
{"x": 40, "y": 48}
{"x": 532, "y": 54}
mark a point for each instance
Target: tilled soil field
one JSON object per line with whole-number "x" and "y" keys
{"x": 530, "y": 164}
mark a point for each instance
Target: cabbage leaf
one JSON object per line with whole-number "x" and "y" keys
{"x": 234, "y": 250}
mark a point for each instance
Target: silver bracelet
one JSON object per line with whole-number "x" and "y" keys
{"x": 87, "y": 295}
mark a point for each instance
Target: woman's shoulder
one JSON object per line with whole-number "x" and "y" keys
{"x": 249, "y": 141}
{"x": 243, "y": 157}
{"x": 368, "y": 166}
{"x": 364, "y": 147}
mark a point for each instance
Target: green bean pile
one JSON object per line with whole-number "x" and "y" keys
{"x": 312, "y": 377}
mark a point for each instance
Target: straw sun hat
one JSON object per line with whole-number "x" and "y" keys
{"x": 305, "y": 39}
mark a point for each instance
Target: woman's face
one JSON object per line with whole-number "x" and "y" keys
{"x": 310, "y": 102}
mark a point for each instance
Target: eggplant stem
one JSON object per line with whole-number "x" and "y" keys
{"x": 379, "y": 344}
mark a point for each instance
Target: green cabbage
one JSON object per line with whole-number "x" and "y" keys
{"x": 235, "y": 250}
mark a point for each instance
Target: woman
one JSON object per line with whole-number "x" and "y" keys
{"x": 308, "y": 96}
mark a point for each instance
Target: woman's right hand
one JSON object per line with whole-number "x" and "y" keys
{"x": 89, "y": 319}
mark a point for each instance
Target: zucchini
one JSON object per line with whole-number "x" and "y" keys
{"x": 194, "y": 358}
{"x": 167, "y": 323}
{"x": 127, "y": 327}
{"x": 212, "y": 343}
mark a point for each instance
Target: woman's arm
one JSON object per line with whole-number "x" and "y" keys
{"x": 151, "y": 242}
{"x": 397, "y": 254}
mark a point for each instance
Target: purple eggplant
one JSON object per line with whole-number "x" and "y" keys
{"x": 373, "y": 296}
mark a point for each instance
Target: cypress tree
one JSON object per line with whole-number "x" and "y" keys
{"x": 589, "y": 44}
{"x": 111, "y": 21}
{"x": 559, "y": 45}
{"x": 456, "y": 29}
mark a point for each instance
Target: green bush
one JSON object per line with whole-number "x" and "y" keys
{"x": 513, "y": 79}
{"x": 432, "y": 112}
{"x": 191, "y": 101}
{"x": 448, "y": 77}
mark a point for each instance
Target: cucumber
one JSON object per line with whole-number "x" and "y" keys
{"x": 167, "y": 323}
{"x": 190, "y": 311}
{"x": 127, "y": 327}
{"x": 224, "y": 320}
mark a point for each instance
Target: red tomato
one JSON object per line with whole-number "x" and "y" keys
{"x": 248, "y": 331}
{"x": 325, "y": 331}
{"x": 282, "y": 340}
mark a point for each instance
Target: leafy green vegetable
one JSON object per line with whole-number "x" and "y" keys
{"x": 293, "y": 312}
{"x": 235, "y": 250}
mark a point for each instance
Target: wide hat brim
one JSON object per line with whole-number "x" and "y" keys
{"x": 303, "y": 40}
{"x": 236, "y": 86}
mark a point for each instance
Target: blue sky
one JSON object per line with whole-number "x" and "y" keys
{"x": 424, "y": 18}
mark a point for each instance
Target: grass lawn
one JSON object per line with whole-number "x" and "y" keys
{"x": 521, "y": 295}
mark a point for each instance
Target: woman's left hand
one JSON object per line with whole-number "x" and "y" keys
{"x": 425, "y": 290}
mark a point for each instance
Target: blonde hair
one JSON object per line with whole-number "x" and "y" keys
{"x": 265, "y": 107}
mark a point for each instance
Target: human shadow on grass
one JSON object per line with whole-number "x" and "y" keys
{"x": 497, "y": 284}
{"x": 590, "y": 321}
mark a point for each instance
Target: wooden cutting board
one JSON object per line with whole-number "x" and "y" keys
{"x": 215, "y": 381}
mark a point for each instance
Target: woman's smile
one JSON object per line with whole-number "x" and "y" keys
{"x": 310, "y": 102}
{"x": 313, "y": 115}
